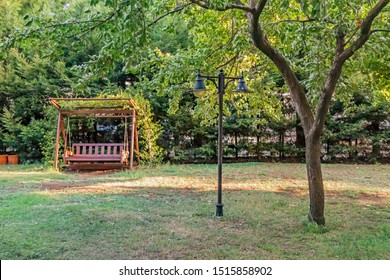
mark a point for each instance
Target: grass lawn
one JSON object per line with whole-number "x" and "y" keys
{"x": 167, "y": 212}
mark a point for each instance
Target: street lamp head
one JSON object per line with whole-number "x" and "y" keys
{"x": 199, "y": 86}
{"x": 242, "y": 87}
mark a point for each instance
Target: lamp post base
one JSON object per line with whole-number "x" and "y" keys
{"x": 219, "y": 210}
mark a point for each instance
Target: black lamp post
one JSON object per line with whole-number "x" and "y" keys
{"x": 200, "y": 86}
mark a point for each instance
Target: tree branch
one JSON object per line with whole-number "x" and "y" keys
{"x": 379, "y": 30}
{"x": 252, "y": 4}
{"x": 293, "y": 21}
{"x": 260, "y": 6}
{"x": 175, "y": 10}
{"x": 76, "y": 22}
{"x": 351, "y": 37}
{"x": 328, "y": 89}
{"x": 227, "y": 62}
{"x": 223, "y": 45}
{"x": 238, "y": 5}
{"x": 72, "y": 23}
{"x": 365, "y": 29}
{"x": 101, "y": 22}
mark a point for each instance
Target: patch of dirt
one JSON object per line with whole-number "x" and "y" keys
{"x": 374, "y": 199}
{"x": 55, "y": 186}
{"x": 58, "y": 188}
{"x": 292, "y": 192}
{"x": 90, "y": 173}
{"x": 363, "y": 198}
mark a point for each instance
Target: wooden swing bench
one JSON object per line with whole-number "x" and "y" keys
{"x": 95, "y": 152}
{"x": 96, "y": 156}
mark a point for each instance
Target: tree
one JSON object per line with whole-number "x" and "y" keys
{"x": 347, "y": 39}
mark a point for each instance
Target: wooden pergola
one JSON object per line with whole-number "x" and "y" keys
{"x": 96, "y": 155}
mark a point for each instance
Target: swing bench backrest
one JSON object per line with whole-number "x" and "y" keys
{"x": 95, "y": 152}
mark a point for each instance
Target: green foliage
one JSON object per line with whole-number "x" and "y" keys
{"x": 357, "y": 119}
{"x": 47, "y": 142}
{"x": 311, "y": 227}
{"x": 28, "y": 141}
{"x": 170, "y": 35}
{"x": 149, "y": 132}
{"x": 2, "y": 146}
{"x": 207, "y": 151}
{"x": 11, "y": 130}
{"x": 26, "y": 83}
{"x": 34, "y": 140}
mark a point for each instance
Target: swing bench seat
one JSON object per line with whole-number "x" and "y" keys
{"x": 95, "y": 152}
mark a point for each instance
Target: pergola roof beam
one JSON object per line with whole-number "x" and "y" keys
{"x": 95, "y": 111}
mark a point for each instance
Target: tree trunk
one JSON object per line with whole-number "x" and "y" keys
{"x": 314, "y": 175}
{"x": 300, "y": 141}
{"x": 281, "y": 145}
{"x": 350, "y": 148}
{"x": 236, "y": 143}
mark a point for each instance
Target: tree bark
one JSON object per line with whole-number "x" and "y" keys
{"x": 314, "y": 176}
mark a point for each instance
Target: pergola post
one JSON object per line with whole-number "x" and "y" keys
{"x": 137, "y": 144}
{"x": 57, "y": 145}
{"x": 132, "y": 140}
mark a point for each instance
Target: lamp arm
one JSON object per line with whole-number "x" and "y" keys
{"x": 208, "y": 78}
{"x": 230, "y": 80}
{"x": 233, "y": 78}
